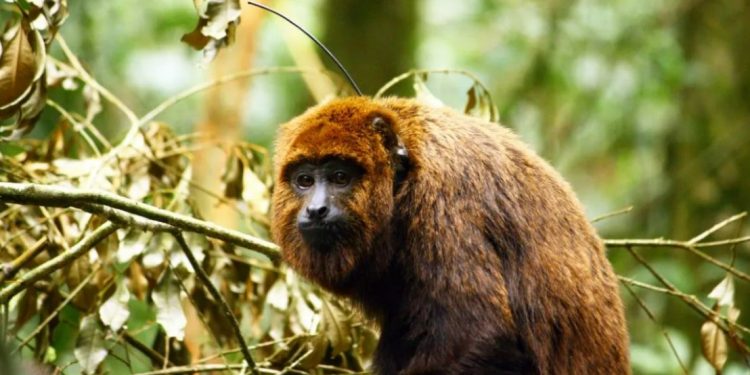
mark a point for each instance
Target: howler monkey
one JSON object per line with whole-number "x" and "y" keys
{"x": 470, "y": 251}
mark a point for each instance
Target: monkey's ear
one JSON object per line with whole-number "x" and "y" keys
{"x": 397, "y": 149}
{"x": 401, "y": 163}
{"x": 384, "y": 127}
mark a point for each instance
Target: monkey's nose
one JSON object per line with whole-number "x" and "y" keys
{"x": 317, "y": 212}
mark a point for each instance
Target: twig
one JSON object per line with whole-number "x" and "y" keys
{"x": 58, "y": 196}
{"x": 692, "y": 248}
{"x": 9, "y": 270}
{"x": 264, "y": 344}
{"x": 660, "y": 242}
{"x": 289, "y": 368}
{"x": 205, "y": 368}
{"x": 76, "y": 126}
{"x": 693, "y": 302}
{"x": 161, "y": 107}
{"x": 125, "y": 219}
{"x": 54, "y": 264}
{"x": 612, "y": 214}
{"x": 716, "y": 227}
{"x": 152, "y": 354}
{"x": 664, "y": 332}
{"x": 414, "y": 72}
{"x": 86, "y": 77}
{"x": 226, "y": 310}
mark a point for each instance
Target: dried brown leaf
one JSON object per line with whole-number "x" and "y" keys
{"x": 215, "y": 28}
{"x": 336, "y": 325}
{"x": 19, "y": 64}
{"x": 714, "y": 345}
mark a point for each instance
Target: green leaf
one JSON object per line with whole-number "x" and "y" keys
{"x": 90, "y": 350}
{"x": 10, "y": 149}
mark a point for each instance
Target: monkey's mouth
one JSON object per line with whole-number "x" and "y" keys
{"x": 323, "y": 236}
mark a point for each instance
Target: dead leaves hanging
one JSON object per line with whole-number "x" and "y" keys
{"x": 23, "y": 54}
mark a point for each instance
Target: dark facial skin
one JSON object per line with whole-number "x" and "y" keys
{"x": 322, "y": 220}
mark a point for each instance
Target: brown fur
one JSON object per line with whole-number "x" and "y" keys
{"x": 481, "y": 261}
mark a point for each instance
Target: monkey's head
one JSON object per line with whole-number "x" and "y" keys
{"x": 336, "y": 169}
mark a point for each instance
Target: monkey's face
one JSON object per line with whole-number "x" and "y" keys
{"x": 333, "y": 198}
{"x": 324, "y": 221}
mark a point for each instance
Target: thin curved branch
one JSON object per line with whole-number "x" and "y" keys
{"x": 79, "y": 249}
{"x": 690, "y": 247}
{"x": 225, "y": 309}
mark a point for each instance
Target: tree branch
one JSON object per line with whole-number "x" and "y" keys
{"x": 57, "y": 196}
{"x": 50, "y": 266}
{"x": 225, "y": 309}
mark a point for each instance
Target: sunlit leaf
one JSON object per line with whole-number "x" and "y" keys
{"x": 169, "y": 312}
{"x": 423, "y": 94}
{"x": 61, "y": 75}
{"x": 278, "y": 296}
{"x": 115, "y": 312}
{"x": 90, "y": 348}
{"x": 215, "y": 28}
{"x": 132, "y": 245}
{"x": 255, "y": 193}
{"x": 48, "y": 16}
{"x": 714, "y": 345}
{"x": 93, "y": 102}
{"x": 733, "y": 313}
{"x": 307, "y": 318}
{"x": 723, "y": 293}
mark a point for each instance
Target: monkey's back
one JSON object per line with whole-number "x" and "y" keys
{"x": 492, "y": 231}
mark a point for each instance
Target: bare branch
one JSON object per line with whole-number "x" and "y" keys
{"x": 716, "y": 227}
{"x": 57, "y": 196}
{"x": 79, "y": 249}
{"x": 664, "y": 332}
{"x": 692, "y": 248}
{"x": 612, "y": 214}
{"x": 225, "y": 309}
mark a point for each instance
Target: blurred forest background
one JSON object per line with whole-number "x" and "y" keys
{"x": 638, "y": 103}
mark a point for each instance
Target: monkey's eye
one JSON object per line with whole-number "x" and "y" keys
{"x": 341, "y": 178}
{"x": 304, "y": 181}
